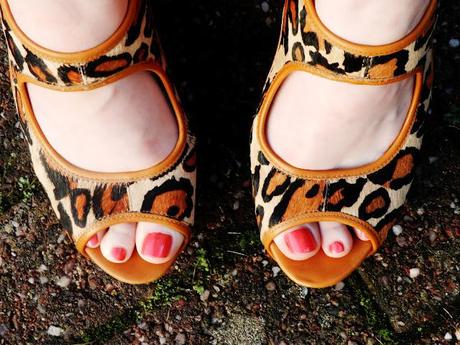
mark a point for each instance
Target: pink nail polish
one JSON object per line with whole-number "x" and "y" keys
{"x": 336, "y": 247}
{"x": 300, "y": 241}
{"x": 118, "y": 253}
{"x": 157, "y": 244}
{"x": 93, "y": 241}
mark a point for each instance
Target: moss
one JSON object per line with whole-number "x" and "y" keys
{"x": 201, "y": 271}
{"x": 167, "y": 291}
{"x": 105, "y": 332}
{"x": 376, "y": 319}
{"x": 27, "y": 188}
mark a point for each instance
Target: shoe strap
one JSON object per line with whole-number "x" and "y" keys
{"x": 305, "y": 40}
{"x": 134, "y": 41}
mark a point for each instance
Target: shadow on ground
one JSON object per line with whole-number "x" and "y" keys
{"x": 224, "y": 290}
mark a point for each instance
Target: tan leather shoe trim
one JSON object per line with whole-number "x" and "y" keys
{"x": 135, "y": 271}
{"x": 372, "y": 50}
{"x": 83, "y": 56}
{"x": 321, "y": 271}
{"x": 269, "y": 235}
{"x": 291, "y": 170}
{"x": 68, "y": 168}
{"x": 131, "y": 217}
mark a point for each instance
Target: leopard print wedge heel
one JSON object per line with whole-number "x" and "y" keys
{"x": 86, "y": 201}
{"x": 368, "y": 197}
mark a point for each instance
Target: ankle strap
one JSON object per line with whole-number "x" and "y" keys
{"x": 305, "y": 40}
{"x": 133, "y": 42}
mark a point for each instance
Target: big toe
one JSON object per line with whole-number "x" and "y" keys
{"x": 117, "y": 245}
{"x": 336, "y": 239}
{"x": 157, "y": 243}
{"x": 299, "y": 243}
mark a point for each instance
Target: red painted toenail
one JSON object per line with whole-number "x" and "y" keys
{"x": 300, "y": 241}
{"x": 336, "y": 247}
{"x": 93, "y": 241}
{"x": 118, "y": 253}
{"x": 157, "y": 245}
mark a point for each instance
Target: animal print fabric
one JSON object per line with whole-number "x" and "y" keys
{"x": 81, "y": 202}
{"x": 375, "y": 197}
{"x": 140, "y": 43}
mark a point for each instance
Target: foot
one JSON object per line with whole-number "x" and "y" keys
{"x": 309, "y": 131}
{"x": 127, "y": 125}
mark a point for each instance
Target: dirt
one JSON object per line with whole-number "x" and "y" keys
{"x": 224, "y": 289}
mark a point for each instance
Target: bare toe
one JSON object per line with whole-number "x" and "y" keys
{"x": 95, "y": 240}
{"x": 157, "y": 243}
{"x": 300, "y": 242}
{"x": 336, "y": 239}
{"x": 118, "y": 243}
{"x": 361, "y": 235}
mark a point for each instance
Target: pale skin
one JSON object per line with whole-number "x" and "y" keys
{"x": 128, "y": 126}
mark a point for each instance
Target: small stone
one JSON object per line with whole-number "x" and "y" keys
{"x": 61, "y": 238}
{"x": 350, "y": 342}
{"x": 162, "y": 340}
{"x": 265, "y": 6}
{"x": 43, "y": 280}
{"x": 397, "y": 230}
{"x": 275, "y": 270}
{"x": 42, "y": 268}
{"x": 414, "y": 272}
{"x": 270, "y": 286}
{"x": 432, "y": 159}
{"x": 408, "y": 218}
{"x": 264, "y": 263}
{"x": 204, "y": 296}
{"x": 401, "y": 241}
{"x": 63, "y": 282}
{"x": 457, "y": 334}
{"x": 15, "y": 224}
{"x": 3, "y": 330}
{"x": 420, "y": 211}
{"x": 432, "y": 236}
{"x": 55, "y": 331}
{"x": 304, "y": 292}
{"x": 180, "y": 339}
{"x": 454, "y": 42}
{"x": 236, "y": 205}
{"x": 339, "y": 286}
{"x": 31, "y": 280}
{"x": 448, "y": 336}
{"x": 41, "y": 308}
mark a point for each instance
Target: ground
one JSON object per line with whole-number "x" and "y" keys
{"x": 224, "y": 289}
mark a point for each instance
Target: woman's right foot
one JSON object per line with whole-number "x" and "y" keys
{"x": 309, "y": 131}
{"x": 124, "y": 126}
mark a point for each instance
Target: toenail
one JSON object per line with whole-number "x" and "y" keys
{"x": 118, "y": 253}
{"x": 300, "y": 241}
{"x": 93, "y": 241}
{"x": 157, "y": 244}
{"x": 336, "y": 247}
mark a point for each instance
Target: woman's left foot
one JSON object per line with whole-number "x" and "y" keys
{"x": 309, "y": 131}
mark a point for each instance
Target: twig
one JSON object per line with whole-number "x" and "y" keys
{"x": 237, "y": 253}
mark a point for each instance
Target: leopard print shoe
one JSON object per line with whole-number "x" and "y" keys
{"x": 368, "y": 197}
{"x": 87, "y": 201}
